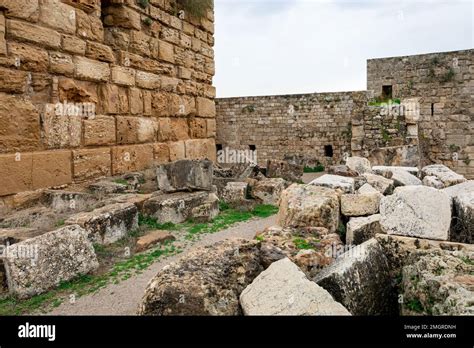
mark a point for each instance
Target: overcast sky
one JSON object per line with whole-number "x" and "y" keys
{"x": 266, "y": 47}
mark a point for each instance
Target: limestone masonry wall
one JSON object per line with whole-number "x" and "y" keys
{"x": 439, "y": 84}
{"x": 290, "y": 125}
{"x": 140, "y": 71}
{"x": 443, "y": 83}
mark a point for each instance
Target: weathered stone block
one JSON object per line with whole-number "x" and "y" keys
{"x": 177, "y": 151}
{"x": 12, "y": 81}
{"x": 268, "y": 191}
{"x": 92, "y": 70}
{"x": 58, "y": 15}
{"x": 308, "y": 205}
{"x": 25, "y": 9}
{"x": 58, "y": 256}
{"x": 100, "y": 52}
{"x": 181, "y": 206}
{"x": 185, "y": 175}
{"x": 131, "y": 158}
{"x": 31, "y": 58}
{"x": 205, "y": 107}
{"x": 380, "y": 183}
{"x": 123, "y": 76}
{"x": 108, "y": 224}
{"x": 444, "y": 174}
{"x": 462, "y": 228}
{"x": 19, "y": 123}
{"x": 360, "y": 204}
{"x": 152, "y": 238}
{"x": 403, "y": 178}
{"x": 99, "y": 131}
{"x": 418, "y": 211}
{"x": 282, "y": 289}
{"x": 359, "y": 164}
{"x": 284, "y": 169}
{"x": 201, "y": 149}
{"x": 66, "y": 201}
{"x": 121, "y": 16}
{"x": 23, "y": 31}
{"x": 235, "y": 192}
{"x": 89, "y": 27}
{"x": 361, "y": 229}
{"x": 51, "y": 168}
{"x": 133, "y": 130}
{"x": 209, "y": 279}
{"x": 342, "y": 183}
{"x": 113, "y": 99}
{"x": 61, "y": 130}
{"x": 61, "y": 63}
{"x": 360, "y": 281}
{"x": 73, "y": 44}
{"x": 91, "y": 163}
{"x": 16, "y": 173}
{"x": 148, "y": 80}
{"x": 161, "y": 153}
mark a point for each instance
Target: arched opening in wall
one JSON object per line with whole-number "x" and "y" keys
{"x": 328, "y": 151}
{"x": 387, "y": 92}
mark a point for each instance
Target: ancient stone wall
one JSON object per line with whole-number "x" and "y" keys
{"x": 315, "y": 126}
{"x": 92, "y": 88}
{"x": 443, "y": 84}
{"x": 432, "y": 124}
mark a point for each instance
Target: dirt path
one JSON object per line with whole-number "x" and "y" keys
{"x": 124, "y": 298}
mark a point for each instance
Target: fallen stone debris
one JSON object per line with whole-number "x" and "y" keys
{"x": 382, "y": 240}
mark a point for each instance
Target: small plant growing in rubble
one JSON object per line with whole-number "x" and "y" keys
{"x": 143, "y": 3}
{"x": 147, "y": 21}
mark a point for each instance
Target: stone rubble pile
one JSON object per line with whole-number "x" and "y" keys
{"x": 361, "y": 240}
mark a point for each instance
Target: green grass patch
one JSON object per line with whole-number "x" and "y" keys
{"x": 151, "y": 223}
{"x": 121, "y": 181}
{"x": 415, "y": 305}
{"x": 318, "y": 169}
{"x": 381, "y": 102}
{"x": 302, "y": 244}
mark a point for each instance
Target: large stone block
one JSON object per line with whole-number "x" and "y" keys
{"x": 284, "y": 169}
{"x": 58, "y": 256}
{"x": 148, "y": 80}
{"x": 51, "y": 168}
{"x": 235, "y": 192}
{"x": 380, "y": 183}
{"x": 99, "y": 131}
{"x": 283, "y": 289}
{"x": 268, "y": 191}
{"x": 131, "y": 158}
{"x": 58, "y": 15}
{"x": 308, "y": 205}
{"x": 12, "y": 81}
{"x": 207, "y": 281}
{"x": 361, "y": 229}
{"x": 123, "y": 76}
{"x": 19, "y": 124}
{"x": 30, "y": 58}
{"x": 61, "y": 63}
{"x": 108, "y": 224}
{"x": 133, "y": 130}
{"x": 42, "y": 36}
{"x": 341, "y": 183}
{"x": 24, "y": 9}
{"x": 205, "y": 107}
{"x": 161, "y": 153}
{"x": 401, "y": 177}
{"x": 89, "y": 27}
{"x": 93, "y": 70}
{"x": 122, "y": 16}
{"x": 185, "y": 175}
{"x": 113, "y": 99}
{"x": 360, "y": 204}
{"x": 61, "y": 130}
{"x": 201, "y": 149}
{"x": 359, "y": 164}
{"x": 444, "y": 174}
{"x": 91, "y": 163}
{"x": 181, "y": 206}
{"x": 100, "y": 52}
{"x": 15, "y": 171}
{"x": 360, "y": 281}
{"x": 417, "y": 211}
{"x": 177, "y": 151}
